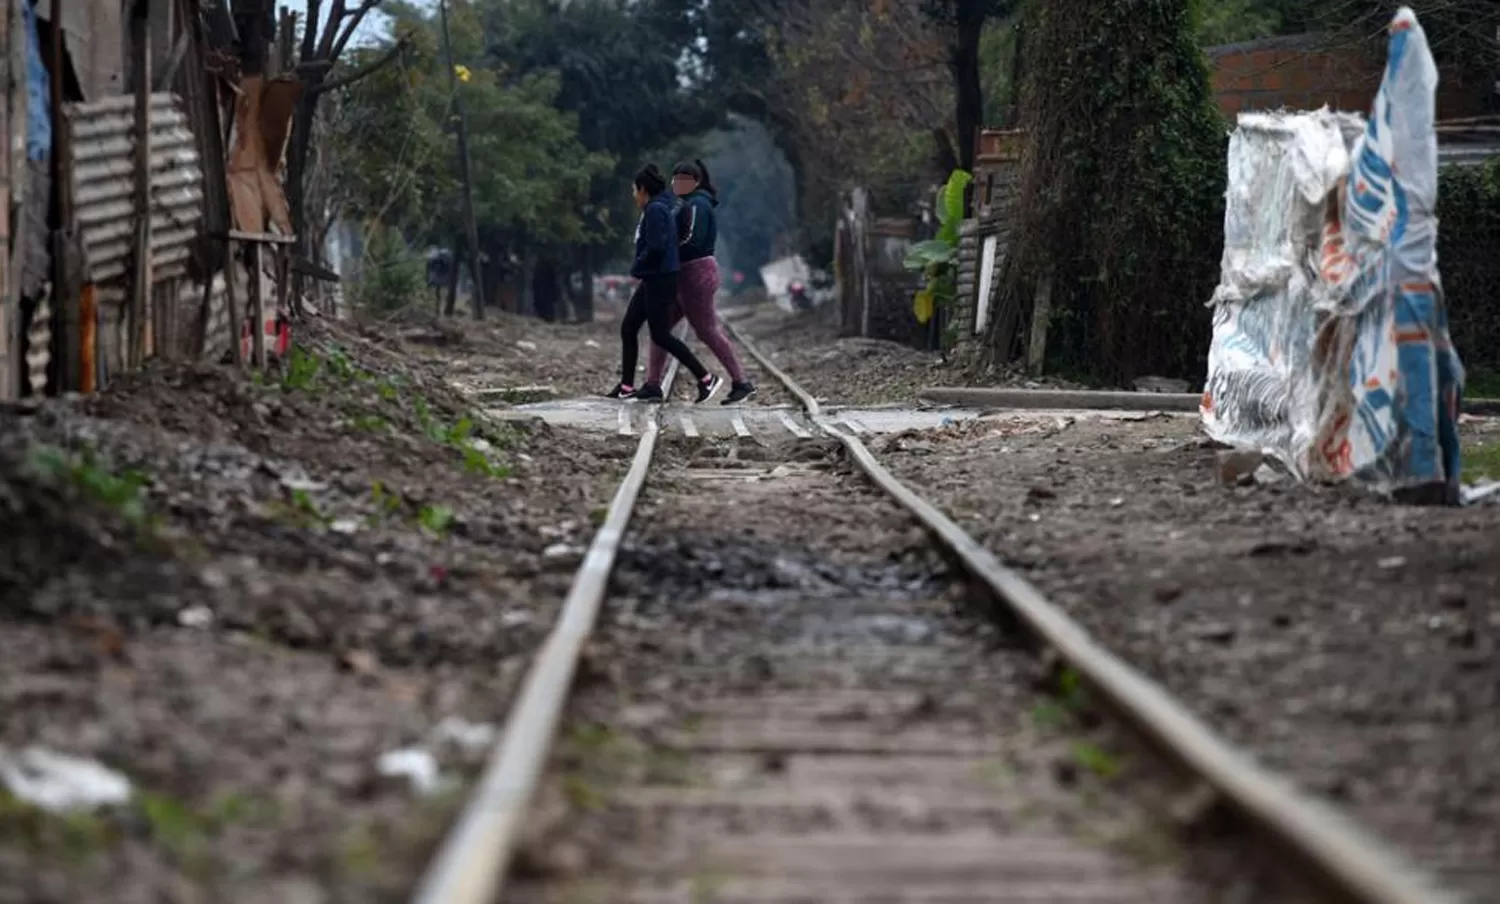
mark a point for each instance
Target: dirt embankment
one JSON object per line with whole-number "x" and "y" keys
{"x": 241, "y": 594}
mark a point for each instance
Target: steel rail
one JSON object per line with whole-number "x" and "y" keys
{"x": 1350, "y": 862}
{"x": 470, "y": 866}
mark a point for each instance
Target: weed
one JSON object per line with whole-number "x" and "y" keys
{"x": 1070, "y": 688}
{"x": 185, "y": 831}
{"x": 1048, "y": 714}
{"x": 372, "y": 423}
{"x": 436, "y": 519}
{"x": 94, "y": 480}
{"x": 581, "y": 794}
{"x": 301, "y": 370}
{"x": 72, "y": 837}
{"x": 338, "y": 366}
{"x": 387, "y": 503}
{"x": 359, "y": 851}
{"x": 1095, "y": 759}
{"x": 302, "y": 511}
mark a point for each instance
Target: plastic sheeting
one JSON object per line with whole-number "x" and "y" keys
{"x": 1331, "y": 348}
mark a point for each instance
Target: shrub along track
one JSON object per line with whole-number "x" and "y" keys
{"x": 786, "y": 704}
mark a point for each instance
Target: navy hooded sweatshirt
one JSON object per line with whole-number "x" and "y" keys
{"x": 656, "y": 238}
{"x": 696, "y": 224}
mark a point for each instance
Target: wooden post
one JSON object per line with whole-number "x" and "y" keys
{"x": 232, "y": 302}
{"x": 140, "y": 37}
{"x": 67, "y": 341}
{"x": 12, "y": 180}
{"x": 257, "y": 308}
{"x": 1041, "y": 316}
{"x": 476, "y": 265}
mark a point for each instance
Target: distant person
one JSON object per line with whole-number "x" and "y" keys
{"x": 657, "y": 265}
{"x": 698, "y": 287}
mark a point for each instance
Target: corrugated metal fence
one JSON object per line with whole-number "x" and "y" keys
{"x": 103, "y": 182}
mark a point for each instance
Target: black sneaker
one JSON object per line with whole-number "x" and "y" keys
{"x": 739, "y": 392}
{"x": 621, "y": 391}
{"x": 650, "y": 392}
{"x": 707, "y": 389}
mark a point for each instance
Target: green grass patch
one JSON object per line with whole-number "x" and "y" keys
{"x": 1481, "y": 461}
{"x": 87, "y": 475}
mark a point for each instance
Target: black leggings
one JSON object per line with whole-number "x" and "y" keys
{"x": 652, "y": 305}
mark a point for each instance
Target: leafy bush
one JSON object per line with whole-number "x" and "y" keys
{"x": 391, "y": 275}
{"x": 937, "y": 258}
{"x": 1468, "y": 236}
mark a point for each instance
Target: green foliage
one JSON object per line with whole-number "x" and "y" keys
{"x": 391, "y": 275}
{"x": 396, "y": 152}
{"x": 87, "y": 475}
{"x": 937, "y": 258}
{"x": 1121, "y": 196}
{"x": 1468, "y": 234}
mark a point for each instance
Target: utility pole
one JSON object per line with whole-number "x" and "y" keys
{"x": 465, "y": 171}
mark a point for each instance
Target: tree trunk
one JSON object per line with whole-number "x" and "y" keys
{"x": 296, "y": 169}
{"x": 583, "y": 302}
{"x": 966, "y": 81}
{"x": 453, "y": 271}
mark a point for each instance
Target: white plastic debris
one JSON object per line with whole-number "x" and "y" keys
{"x": 560, "y": 550}
{"x": 345, "y": 526}
{"x": 196, "y": 617}
{"x": 470, "y": 737}
{"x": 1480, "y": 491}
{"x": 525, "y": 345}
{"x": 414, "y": 764}
{"x": 59, "y": 783}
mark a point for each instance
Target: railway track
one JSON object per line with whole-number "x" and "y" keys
{"x": 792, "y": 699}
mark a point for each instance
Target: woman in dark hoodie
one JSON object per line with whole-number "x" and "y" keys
{"x": 698, "y": 285}
{"x": 657, "y": 264}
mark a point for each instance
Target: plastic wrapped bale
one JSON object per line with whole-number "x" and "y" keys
{"x": 1389, "y": 380}
{"x": 1283, "y": 168}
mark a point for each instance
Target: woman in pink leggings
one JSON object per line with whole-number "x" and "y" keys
{"x": 697, "y": 284}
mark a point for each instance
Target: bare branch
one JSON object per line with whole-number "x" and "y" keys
{"x": 343, "y": 81}
{"x": 310, "y": 29}
{"x": 336, "y": 15}
{"x": 355, "y": 18}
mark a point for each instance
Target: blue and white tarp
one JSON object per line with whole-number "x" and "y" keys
{"x": 1331, "y": 348}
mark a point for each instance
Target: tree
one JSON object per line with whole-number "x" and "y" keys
{"x": 963, "y": 22}
{"x": 396, "y": 146}
{"x": 619, "y": 70}
{"x": 1122, "y": 180}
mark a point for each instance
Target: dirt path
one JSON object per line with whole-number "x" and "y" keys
{"x": 788, "y": 703}
{"x": 241, "y": 595}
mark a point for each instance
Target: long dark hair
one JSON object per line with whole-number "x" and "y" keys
{"x": 699, "y": 171}
{"x": 650, "y": 180}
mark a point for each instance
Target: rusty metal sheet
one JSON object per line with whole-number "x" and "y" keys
{"x": 96, "y": 44}
{"x": 103, "y": 161}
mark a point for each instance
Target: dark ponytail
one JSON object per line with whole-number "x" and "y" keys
{"x": 699, "y": 171}
{"x": 650, "y": 180}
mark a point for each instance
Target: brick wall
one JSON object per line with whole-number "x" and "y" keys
{"x": 1305, "y": 72}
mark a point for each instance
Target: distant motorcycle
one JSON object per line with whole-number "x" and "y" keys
{"x": 801, "y": 300}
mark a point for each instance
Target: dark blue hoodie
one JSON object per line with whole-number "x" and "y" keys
{"x": 696, "y": 224}
{"x": 656, "y": 238}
